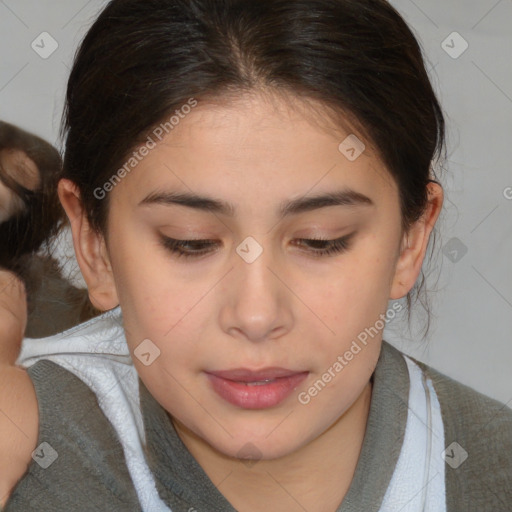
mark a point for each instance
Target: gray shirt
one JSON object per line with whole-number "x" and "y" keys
{"x": 90, "y": 472}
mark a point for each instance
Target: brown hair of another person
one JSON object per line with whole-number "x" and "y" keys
{"x": 54, "y": 304}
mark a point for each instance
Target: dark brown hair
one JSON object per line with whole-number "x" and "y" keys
{"x": 53, "y": 303}
{"x": 143, "y": 59}
{"x": 24, "y": 232}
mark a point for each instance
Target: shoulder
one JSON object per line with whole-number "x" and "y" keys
{"x": 78, "y": 462}
{"x": 468, "y": 411}
{"x": 480, "y": 428}
{"x": 18, "y": 426}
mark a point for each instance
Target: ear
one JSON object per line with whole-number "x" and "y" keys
{"x": 90, "y": 249}
{"x": 415, "y": 243}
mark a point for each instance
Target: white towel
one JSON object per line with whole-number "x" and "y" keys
{"x": 418, "y": 482}
{"x": 97, "y": 353}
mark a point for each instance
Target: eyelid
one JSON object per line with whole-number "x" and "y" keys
{"x": 334, "y": 246}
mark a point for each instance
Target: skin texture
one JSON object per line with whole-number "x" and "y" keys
{"x": 18, "y": 404}
{"x": 288, "y": 308}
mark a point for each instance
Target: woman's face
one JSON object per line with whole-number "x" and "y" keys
{"x": 232, "y": 342}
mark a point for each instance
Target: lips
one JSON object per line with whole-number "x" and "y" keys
{"x": 243, "y": 375}
{"x": 259, "y": 389}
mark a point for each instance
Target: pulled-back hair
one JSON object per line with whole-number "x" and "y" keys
{"x": 144, "y": 59}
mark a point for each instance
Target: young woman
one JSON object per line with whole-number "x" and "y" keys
{"x": 249, "y": 185}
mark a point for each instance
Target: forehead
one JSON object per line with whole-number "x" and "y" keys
{"x": 257, "y": 147}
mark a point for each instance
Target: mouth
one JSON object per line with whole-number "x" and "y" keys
{"x": 260, "y": 389}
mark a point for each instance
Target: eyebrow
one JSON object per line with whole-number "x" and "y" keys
{"x": 346, "y": 197}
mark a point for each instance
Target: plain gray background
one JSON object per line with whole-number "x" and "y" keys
{"x": 471, "y": 277}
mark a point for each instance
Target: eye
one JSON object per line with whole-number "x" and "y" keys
{"x": 196, "y": 248}
{"x": 323, "y": 247}
{"x": 187, "y": 248}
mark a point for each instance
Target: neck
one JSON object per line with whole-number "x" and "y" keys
{"x": 315, "y": 477}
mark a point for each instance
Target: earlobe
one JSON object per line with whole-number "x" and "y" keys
{"x": 415, "y": 243}
{"x": 90, "y": 249}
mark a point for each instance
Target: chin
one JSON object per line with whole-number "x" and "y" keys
{"x": 254, "y": 450}
{"x": 258, "y": 446}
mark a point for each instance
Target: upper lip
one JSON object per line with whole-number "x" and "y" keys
{"x": 246, "y": 375}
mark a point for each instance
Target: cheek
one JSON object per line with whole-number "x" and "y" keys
{"x": 157, "y": 302}
{"x": 351, "y": 302}
{"x": 153, "y": 303}
{"x": 138, "y": 279}
{"x": 357, "y": 288}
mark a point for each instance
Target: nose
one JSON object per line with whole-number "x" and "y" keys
{"x": 257, "y": 304}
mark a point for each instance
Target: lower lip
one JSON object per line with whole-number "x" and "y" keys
{"x": 259, "y": 396}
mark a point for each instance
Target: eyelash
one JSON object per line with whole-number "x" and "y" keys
{"x": 336, "y": 246}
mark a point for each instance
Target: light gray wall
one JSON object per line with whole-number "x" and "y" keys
{"x": 470, "y": 338}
